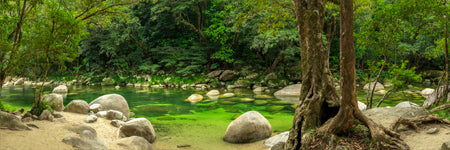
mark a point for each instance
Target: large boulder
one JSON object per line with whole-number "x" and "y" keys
{"x": 228, "y": 75}
{"x": 55, "y": 101}
{"x": 291, "y": 90}
{"x": 77, "y": 106}
{"x": 113, "y": 102}
{"x": 388, "y": 116}
{"x": 406, "y": 104}
{"x": 138, "y": 127}
{"x": 249, "y": 127}
{"x": 195, "y": 98}
{"x": 108, "y": 82}
{"x": 60, "y": 89}
{"x": 378, "y": 86}
{"x": 10, "y": 121}
{"x": 134, "y": 143}
{"x": 282, "y": 137}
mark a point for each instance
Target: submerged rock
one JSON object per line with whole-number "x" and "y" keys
{"x": 113, "y": 102}
{"x": 249, "y": 127}
{"x": 228, "y": 95}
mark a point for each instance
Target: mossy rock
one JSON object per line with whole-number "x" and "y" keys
{"x": 232, "y": 110}
{"x": 166, "y": 118}
{"x": 235, "y": 116}
{"x": 263, "y": 96}
{"x": 227, "y": 102}
{"x": 274, "y": 108}
{"x": 280, "y": 103}
{"x": 247, "y": 100}
{"x": 260, "y": 102}
{"x": 234, "y": 99}
{"x": 294, "y": 106}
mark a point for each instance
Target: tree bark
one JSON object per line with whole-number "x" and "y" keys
{"x": 318, "y": 96}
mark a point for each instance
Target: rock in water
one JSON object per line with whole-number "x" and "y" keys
{"x": 77, "y": 106}
{"x": 138, "y": 127}
{"x": 378, "y": 86}
{"x": 55, "y": 101}
{"x": 249, "y": 127}
{"x": 195, "y": 98}
{"x": 213, "y": 93}
{"x": 113, "y": 102}
{"x": 10, "y": 121}
{"x": 291, "y": 90}
{"x": 134, "y": 143}
{"x": 282, "y": 137}
{"x": 60, "y": 89}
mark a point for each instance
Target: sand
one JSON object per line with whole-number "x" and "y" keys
{"x": 49, "y": 136}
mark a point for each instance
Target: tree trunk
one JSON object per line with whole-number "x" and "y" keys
{"x": 313, "y": 110}
{"x": 318, "y": 95}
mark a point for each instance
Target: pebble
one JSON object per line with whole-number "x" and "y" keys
{"x": 432, "y": 131}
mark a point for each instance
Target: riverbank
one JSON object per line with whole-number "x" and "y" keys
{"x": 49, "y": 136}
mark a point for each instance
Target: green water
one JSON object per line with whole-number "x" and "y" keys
{"x": 201, "y": 125}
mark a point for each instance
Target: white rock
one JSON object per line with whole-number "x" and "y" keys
{"x": 426, "y": 92}
{"x": 282, "y": 137}
{"x": 60, "y": 89}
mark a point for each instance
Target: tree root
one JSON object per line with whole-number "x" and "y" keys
{"x": 415, "y": 122}
{"x": 384, "y": 138}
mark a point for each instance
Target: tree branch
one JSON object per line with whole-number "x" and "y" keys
{"x": 110, "y": 6}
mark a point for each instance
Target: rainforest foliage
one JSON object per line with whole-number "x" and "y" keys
{"x": 186, "y": 37}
